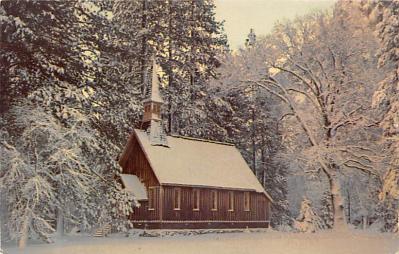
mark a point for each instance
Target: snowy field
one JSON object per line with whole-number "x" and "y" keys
{"x": 356, "y": 242}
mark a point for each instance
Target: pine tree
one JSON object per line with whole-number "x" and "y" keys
{"x": 386, "y": 212}
{"x": 74, "y": 165}
{"x": 385, "y": 16}
{"x": 185, "y": 37}
{"x": 115, "y": 93}
{"x": 388, "y": 208}
{"x": 275, "y": 184}
{"x": 58, "y": 174}
{"x": 42, "y": 44}
{"x": 64, "y": 164}
{"x": 308, "y": 220}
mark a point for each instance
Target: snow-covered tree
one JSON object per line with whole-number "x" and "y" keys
{"x": 385, "y": 16}
{"x": 186, "y": 38}
{"x": 139, "y": 30}
{"x": 387, "y": 215}
{"x": 388, "y": 208}
{"x": 53, "y": 174}
{"x": 326, "y": 213}
{"x": 42, "y": 42}
{"x": 308, "y": 220}
{"x": 324, "y": 83}
{"x": 87, "y": 112}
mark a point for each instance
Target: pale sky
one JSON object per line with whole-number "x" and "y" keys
{"x": 241, "y": 15}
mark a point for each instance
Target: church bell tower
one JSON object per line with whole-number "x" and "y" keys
{"x": 152, "y": 117}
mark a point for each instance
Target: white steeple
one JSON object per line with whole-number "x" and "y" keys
{"x": 251, "y": 40}
{"x": 152, "y": 117}
{"x": 154, "y": 93}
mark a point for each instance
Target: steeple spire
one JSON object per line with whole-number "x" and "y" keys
{"x": 152, "y": 120}
{"x": 154, "y": 95}
{"x": 251, "y": 40}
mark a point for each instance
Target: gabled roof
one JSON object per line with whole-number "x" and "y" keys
{"x": 196, "y": 162}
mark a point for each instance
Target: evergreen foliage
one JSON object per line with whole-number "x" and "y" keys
{"x": 308, "y": 221}
{"x": 384, "y": 15}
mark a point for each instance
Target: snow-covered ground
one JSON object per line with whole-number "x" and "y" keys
{"x": 229, "y": 243}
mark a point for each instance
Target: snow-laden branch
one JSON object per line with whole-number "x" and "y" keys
{"x": 316, "y": 81}
{"x": 299, "y": 77}
{"x": 351, "y": 163}
{"x": 315, "y": 104}
{"x": 285, "y": 97}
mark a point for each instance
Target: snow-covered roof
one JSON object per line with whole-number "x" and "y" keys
{"x": 132, "y": 183}
{"x": 195, "y": 162}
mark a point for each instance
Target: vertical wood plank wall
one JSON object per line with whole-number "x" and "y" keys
{"x": 258, "y": 206}
{"x": 138, "y": 165}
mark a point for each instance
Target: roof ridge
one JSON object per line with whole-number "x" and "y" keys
{"x": 202, "y": 140}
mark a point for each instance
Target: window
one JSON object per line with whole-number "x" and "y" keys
{"x": 231, "y": 201}
{"x": 196, "y": 199}
{"x": 147, "y": 108}
{"x": 157, "y": 108}
{"x": 176, "y": 199}
{"x": 246, "y": 201}
{"x": 214, "y": 200}
{"x": 151, "y": 198}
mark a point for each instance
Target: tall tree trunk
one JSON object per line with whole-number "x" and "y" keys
{"x": 60, "y": 223}
{"x": 253, "y": 134}
{"x": 143, "y": 74}
{"x": 25, "y": 230}
{"x": 349, "y": 206}
{"x": 191, "y": 57}
{"x": 170, "y": 78}
{"x": 337, "y": 203}
{"x": 253, "y": 130}
{"x": 397, "y": 225}
{"x": 1, "y": 225}
{"x": 365, "y": 221}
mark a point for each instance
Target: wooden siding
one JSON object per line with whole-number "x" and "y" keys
{"x": 137, "y": 164}
{"x": 164, "y": 211}
{"x": 258, "y": 206}
{"x": 144, "y": 213}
